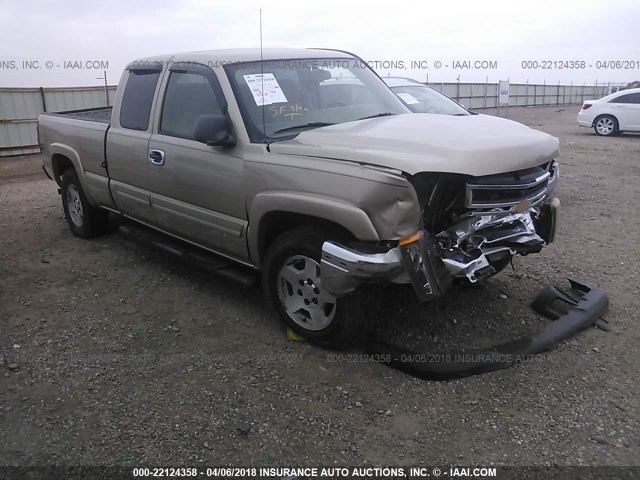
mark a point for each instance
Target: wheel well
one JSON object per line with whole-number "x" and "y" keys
{"x": 604, "y": 115}
{"x": 273, "y": 224}
{"x": 59, "y": 165}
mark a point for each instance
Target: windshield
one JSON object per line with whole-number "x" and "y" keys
{"x": 423, "y": 99}
{"x": 297, "y": 95}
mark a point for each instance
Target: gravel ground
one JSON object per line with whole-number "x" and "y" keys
{"x": 111, "y": 354}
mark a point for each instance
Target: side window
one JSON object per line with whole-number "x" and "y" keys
{"x": 188, "y": 96}
{"x": 635, "y": 98}
{"x": 628, "y": 98}
{"x": 138, "y": 98}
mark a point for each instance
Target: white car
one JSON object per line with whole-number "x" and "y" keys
{"x": 615, "y": 113}
{"x": 421, "y": 98}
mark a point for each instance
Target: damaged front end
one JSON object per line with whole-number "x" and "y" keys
{"x": 479, "y": 232}
{"x": 481, "y": 223}
{"x": 505, "y": 215}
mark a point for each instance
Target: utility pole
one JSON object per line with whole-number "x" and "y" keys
{"x": 106, "y": 90}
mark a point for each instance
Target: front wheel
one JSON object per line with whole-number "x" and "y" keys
{"x": 292, "y": 283}
{"x": 606, "y": 125}
{"x": 84, "y": 220}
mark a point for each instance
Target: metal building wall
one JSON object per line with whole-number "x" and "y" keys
{"x": 485, "y": 95}
{"x": 20, "y": 107}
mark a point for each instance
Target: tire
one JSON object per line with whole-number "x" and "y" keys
{"x": 84, "y": 220}
{"x": 290, "y": 280}
{"x": 606, "y": 126}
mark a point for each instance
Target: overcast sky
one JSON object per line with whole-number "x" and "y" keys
{"x": 117, "y": 31}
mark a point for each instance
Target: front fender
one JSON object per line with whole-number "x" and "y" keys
{"x": 352, "y": 218}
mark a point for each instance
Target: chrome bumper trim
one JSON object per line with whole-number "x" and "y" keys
{"x": 426, "y": 266}
{"x": 344, "y": 269}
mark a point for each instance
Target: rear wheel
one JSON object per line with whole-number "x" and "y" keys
{"x": 291, "y": 281}
{"x": 84, "y": 220}
{"x": 606, "y": 125}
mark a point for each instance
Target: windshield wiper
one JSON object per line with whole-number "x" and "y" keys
{"x": 306, "y": 125}
{"x": 385, "y": 114}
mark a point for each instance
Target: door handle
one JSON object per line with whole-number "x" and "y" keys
{"x": 156, "y": 157}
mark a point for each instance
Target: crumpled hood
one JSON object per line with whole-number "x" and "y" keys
{"x": 423, "y": 142}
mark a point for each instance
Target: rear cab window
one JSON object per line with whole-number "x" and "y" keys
{"x": 137, "y": 99}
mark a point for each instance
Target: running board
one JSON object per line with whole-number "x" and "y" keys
{"x": 189, "y": 254}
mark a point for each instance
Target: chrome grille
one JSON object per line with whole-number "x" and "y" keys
{"x": 500, "y": 191}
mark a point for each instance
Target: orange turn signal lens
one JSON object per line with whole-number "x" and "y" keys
{"x": 410, "y": 239}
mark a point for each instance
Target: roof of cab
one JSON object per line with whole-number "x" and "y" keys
{"x": 237, "y": 55}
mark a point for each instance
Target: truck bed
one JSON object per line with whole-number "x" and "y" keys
{"x": 80, "y": 136}
{"x": 100, "y": 114}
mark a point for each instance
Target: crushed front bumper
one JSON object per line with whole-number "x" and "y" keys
{"x": 430, "y": 263}
{"x": 344, "y": 269}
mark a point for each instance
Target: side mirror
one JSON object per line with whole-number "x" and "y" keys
{"x": 214, "y": 130}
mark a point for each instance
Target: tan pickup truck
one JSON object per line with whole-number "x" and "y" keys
{"x": 302, "y": 164}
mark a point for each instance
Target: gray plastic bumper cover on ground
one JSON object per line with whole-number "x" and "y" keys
{"x": 583, "y": 311}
